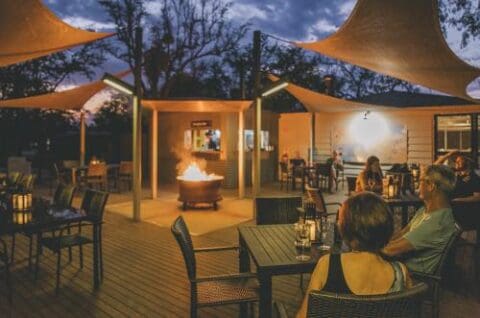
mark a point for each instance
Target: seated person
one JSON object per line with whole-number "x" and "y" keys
{"x": 370, "y": 179}
{"x": 421, "y": 243}
{"x": 336, "y": 163}
{"x": 297, "y": 163}
{"x": 284, "y": 158}
{"x": 468, "y": 182}
{"x": 365, "y": 224}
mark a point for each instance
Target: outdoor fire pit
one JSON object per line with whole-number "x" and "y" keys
{"x": 197, "y": 187}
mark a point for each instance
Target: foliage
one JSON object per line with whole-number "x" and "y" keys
{"x": 464, "y": 15}
{"x": 22, "y": 129}
{"x": 183, "y": 38}
{"x": 114, "y": 116}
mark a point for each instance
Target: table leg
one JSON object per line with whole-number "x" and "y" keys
{"x": 96, "y": 278}
{"x": 74, "y": 174}
{"x": 244, "y": 257}
{"x": 265, "y": 306}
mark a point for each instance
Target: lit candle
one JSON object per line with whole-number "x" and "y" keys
{"x": 391, "y": 191}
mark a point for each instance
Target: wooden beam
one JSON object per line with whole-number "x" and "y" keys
{"x": 241, "y": 156}
{"x": 82, "y": 138}
{"x": 154, "y": 159}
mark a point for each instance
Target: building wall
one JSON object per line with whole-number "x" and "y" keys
{"x": 294, "y": 130}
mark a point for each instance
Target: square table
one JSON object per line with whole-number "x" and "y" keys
{"x": 272, "y": 248}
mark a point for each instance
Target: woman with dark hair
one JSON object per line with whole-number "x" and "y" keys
{"x": 370, "y": 179}
{"x": 366, "y": 225}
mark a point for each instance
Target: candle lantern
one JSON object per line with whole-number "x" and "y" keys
{"x": 312, "y": 229}
{"x": 22, "y": 217}
{"x": 21, "y": 201}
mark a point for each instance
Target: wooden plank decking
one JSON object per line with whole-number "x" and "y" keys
{"x": 144, "y": 276}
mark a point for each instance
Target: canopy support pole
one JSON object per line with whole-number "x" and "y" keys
{"x": 154, "y": 159}
{"x": 256, "y": 160}
{"x": 312, "y": 138}
{"x": 82, "y": 138}
{"x": 241, "y": 156}
{"x": 137, "y": 128}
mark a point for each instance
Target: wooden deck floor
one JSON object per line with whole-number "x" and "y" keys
{"x": 145, "y": 276}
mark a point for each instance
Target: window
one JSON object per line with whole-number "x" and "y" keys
{"x": 460, "y": 132}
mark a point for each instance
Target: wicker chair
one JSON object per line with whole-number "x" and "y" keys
{"x": 97, "y": 176}
{"x": 213, "y": 290}
{"x": 277, "y": 210}
{"x": 435, "y": 279}
{"x": 351, "y": 183}
{"x": 93, "y": 204}
{"x": 285, "y": 175}
{"x": 466, "y": 213}
{"x": 6, "y": 263}
{"x": 404, "y": 304}
{"x": 62, "y": 198}
{"x": 125, "y": 174}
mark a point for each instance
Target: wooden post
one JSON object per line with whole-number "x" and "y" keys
{"x": 154, "y": 159}
{"x": 241, "y": 156}
{"x": 137, "y": 127}
{"x": 82, "y": 138}
{"x": 256, "y": 160}
{"x": 312, "y": 139}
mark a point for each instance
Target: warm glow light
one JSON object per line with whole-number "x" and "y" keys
{"x": 193, "y": 173}
{"x": 368, "y": 132}
{"x": 118, "y": 84}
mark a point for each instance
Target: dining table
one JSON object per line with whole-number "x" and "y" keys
{"x": 272, "y": 248}
{"x": 75, "y": 170}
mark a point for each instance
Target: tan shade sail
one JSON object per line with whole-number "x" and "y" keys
{"x": 197, "y": 106}
{"x": 402, "y": 39}
{"x": 72, "y": 99}
{"x": 28, "y": 29}
{"x": 316, "y": 102}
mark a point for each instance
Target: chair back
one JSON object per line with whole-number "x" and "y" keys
{"x": 351, "y": 184}
{"x": 93, "y": 203}
{"x": 323, "y": 169}
{"x": 14, "y": 177}
{"x": 284, "y": 167}
{"x": 406, "y": 303}
{"x": 97, "y": 170}
{"x": 277, "y": 210}
{"x": 63, "y": 195}
{"x": 182, "y": 235}
{"x": 448, "y": 251}
{"x": 27, "y": 182}
{"x": 126, "y": 168}
{"x": 466, "y": 212}
{"x": 315, "y": 194}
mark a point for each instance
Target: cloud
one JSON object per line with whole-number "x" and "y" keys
{"x": 245, "y": 12}
{"x": 324, "y": 26}
{"x": 86, "y": 23}
{"x": 154, "y": 8}
{"x": 345, "y": 8}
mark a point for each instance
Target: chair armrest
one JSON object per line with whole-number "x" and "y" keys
{"x": 224, "y": 277}
{"x": 280, "y": 310}
{"x": 425, "y": 277}
{"x": 215, "y": 249}
{"x": 333, "y": 203}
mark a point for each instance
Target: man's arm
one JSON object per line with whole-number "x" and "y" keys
{"x": 445, "y": 157}
{"x": 397, "y": 247}
{"x": 400, "y": 233}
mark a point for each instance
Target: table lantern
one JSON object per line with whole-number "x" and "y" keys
{"x": 22, "y": 217}
{"x": 392, "y": 189}
{"x": 312, "y": 228}
{"x": 21, "y": 201}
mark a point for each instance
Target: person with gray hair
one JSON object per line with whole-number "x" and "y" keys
{"x": 421, "y": 243}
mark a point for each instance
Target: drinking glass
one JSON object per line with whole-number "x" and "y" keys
{"x": 302, "y": 241}
{"x": 326, "y": 231}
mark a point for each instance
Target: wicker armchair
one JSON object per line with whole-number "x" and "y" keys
{"x": 277, "y": 210}
{"x": 435, "y": 279}
{"x": 93, "y": 204}
{"x": 404, "y": 304}
{"x": 286, "y": 176}
{"x": 466, "y": 213}
{"x": 125, "y": 174}
{"x": 97, "y": 176}
{"x": 214, "y": 290}
{"x": 62, "y": 198}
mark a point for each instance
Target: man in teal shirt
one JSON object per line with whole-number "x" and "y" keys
{"x": 422, "y": 242}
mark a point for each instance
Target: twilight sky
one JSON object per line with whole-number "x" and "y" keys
{"x": 298, "y": 20}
